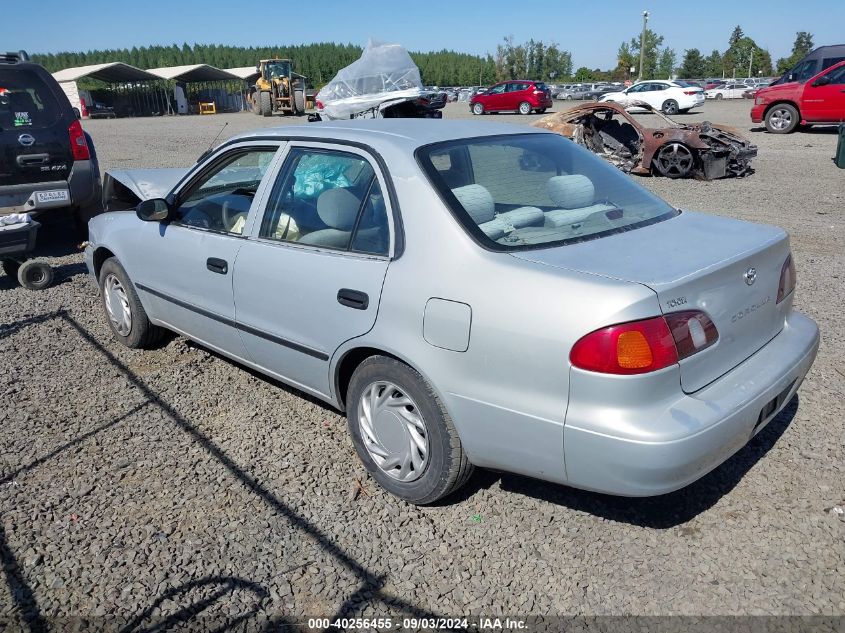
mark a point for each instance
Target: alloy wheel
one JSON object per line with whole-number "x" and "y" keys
{"x": 780, "y": 119}
{"x": 675, "y": 160}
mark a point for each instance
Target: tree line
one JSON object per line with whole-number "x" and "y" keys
{"x": 534, "y": 59}
{"x": 319, "y": 62}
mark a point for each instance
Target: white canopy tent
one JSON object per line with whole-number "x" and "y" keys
{"x": 113, "y": 72}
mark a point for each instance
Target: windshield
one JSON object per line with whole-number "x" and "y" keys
{"x": 524, "y": 191}
{"x": 278, "y": 69}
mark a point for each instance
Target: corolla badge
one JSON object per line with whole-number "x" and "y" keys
{"x": 750, "y": 276}
{"x": 26, "y": 140}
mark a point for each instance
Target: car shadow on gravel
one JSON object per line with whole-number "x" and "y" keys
{"x": 370, "y": 585}
{"x": 663, "y": 512}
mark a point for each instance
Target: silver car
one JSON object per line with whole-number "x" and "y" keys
{"x": 469, "y": 294}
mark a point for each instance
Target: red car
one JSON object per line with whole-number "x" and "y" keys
{"x": 818, "y": 100}
{"x": 521, "y": 95}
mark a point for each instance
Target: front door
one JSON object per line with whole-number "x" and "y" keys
{"x": 825, "y": 102}
{"x": 184, "y": 268}
{"x": 310, "y": 276}
{"x": 495, "y": 98}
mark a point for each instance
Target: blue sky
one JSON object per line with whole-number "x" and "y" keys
{"x": 592, "y": 31}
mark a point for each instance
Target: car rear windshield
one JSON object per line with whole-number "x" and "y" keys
{"x": 540, "y": 85}
{"x": 524, "y": 191}
{"x": 26, "y": 103}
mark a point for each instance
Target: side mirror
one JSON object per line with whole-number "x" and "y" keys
{"x": 822, "y": 81}
{"x": 154, "y": 210}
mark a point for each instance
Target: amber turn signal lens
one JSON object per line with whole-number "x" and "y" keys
{"x": 633, "y": 351}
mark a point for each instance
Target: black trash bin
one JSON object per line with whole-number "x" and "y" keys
{"x": 840, "y": 148}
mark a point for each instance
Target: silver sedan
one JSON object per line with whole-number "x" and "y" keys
{"x": 469, "y": 294}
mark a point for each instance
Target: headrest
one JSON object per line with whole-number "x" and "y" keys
{"x": 338, "y": 208}
{"x": 477, "y": 201}
{"x": 571, "y": 192}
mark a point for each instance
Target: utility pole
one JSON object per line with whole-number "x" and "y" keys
{"x": 750, "y": 61}
{"x": 642, "y": 45}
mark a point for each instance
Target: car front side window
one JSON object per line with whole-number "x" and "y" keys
{"x": 330, "y": 199}
{"x": 220, "y": 199}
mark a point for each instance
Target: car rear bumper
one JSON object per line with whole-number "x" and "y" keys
{"x": 80, "y": 188}
{"x": 665, "y": 444}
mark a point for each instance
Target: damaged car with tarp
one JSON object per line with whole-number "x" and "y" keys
{"x": 384, "y": 83}
{"x": 705, "y": 151}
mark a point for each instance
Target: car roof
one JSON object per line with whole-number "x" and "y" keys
{"x": 404, "y": 134}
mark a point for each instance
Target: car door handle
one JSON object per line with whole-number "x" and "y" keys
{"x": 216, "y": 265}
{"x": 353, "y": 299}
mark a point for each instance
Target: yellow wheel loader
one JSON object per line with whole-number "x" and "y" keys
{"x": 278, "y": 89}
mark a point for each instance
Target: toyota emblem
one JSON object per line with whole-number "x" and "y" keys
{"x": 750, "y": 275}
{"x": 26, "y": 140}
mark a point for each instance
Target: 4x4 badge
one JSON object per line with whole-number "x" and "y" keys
{"x": 26, "y": 139}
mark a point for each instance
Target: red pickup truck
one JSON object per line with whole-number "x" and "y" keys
{"x": 819, "y": 100}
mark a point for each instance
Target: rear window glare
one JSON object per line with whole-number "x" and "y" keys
{"x": 26, "y": 102}
{"x": 527, "y": 191}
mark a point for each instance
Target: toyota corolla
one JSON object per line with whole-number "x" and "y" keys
{"x": 469, "y": 294}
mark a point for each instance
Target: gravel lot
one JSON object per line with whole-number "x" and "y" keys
{"x": 173, "y": 482}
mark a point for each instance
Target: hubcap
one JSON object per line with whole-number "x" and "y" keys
{"x": 781, "y": 119}
{"x": 675, "y": 159}
{"x": 671, "y": 108}
{"x": 393, "y": 431}
{"x": 117, "y": 305}
{"x": 525, "y": 108}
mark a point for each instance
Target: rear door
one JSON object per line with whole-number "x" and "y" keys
{"x": 825, "y": 102}
{"x": 310, "y": 276}
{"x": 34, "y": 141}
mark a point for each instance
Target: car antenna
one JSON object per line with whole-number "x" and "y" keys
{"x": 211, "y": 145}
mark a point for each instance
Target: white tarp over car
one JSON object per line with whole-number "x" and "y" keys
{"x": 384, "y": 71}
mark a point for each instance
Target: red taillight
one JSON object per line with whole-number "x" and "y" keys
{"x": 787, "y": 279}
{"x": 639, "y": 347}
{"x": 78, "y": 144}
{"x": 319, "y": 105}
{"x": 692, "y": 331}
{"x": 628, "y": 348}
{"x": 690, "y": 92}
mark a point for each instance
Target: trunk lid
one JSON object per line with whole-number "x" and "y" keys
{"x": 696, "y": 262}
{"x": 34, "y": 141}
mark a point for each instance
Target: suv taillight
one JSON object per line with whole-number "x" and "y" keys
{"x": 787, "y": 279}
{"x": 78, "y": 144}
{"x": 639, "y": 347}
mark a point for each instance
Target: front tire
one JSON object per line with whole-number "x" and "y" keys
{"x": 477, "y": 109}
{"x": 126, "y": 316}
{"x": 402, "y": 433}
{"x": 782, "y": 119}
{"x": 298, "y": 102}
{"x": 525, "y": 108}
{"x": 265, "y": 103}
{"x": 674, "y": 160}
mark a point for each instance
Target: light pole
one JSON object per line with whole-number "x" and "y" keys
{"x": 642, "y": 45}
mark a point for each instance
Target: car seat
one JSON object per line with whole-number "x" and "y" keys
{"x": 338, "y": 209}
{"x": 575, "y": 194}
{"x": 478, "y": 202}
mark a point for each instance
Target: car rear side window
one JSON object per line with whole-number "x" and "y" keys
{"x": 329, "y": 199}
{"x": 523, "y": 191}
{"x": 26, "y": 102}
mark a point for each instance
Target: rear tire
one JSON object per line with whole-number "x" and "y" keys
{"x": 386, "y": 398}
{"x": 35, "y": 275}
{"x": 266, "y": 103}
{"x": 670, "y": 107}
{"x": 120, "y": 300}
{"x": 525, "y": 108}
{"x": 782, "y": 119}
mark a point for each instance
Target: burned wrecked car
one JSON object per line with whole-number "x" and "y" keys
{"x": 676, "y": 150}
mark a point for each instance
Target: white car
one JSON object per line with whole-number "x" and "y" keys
{"x": 728, "y": 91}
{"x": 668, "y": 96}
